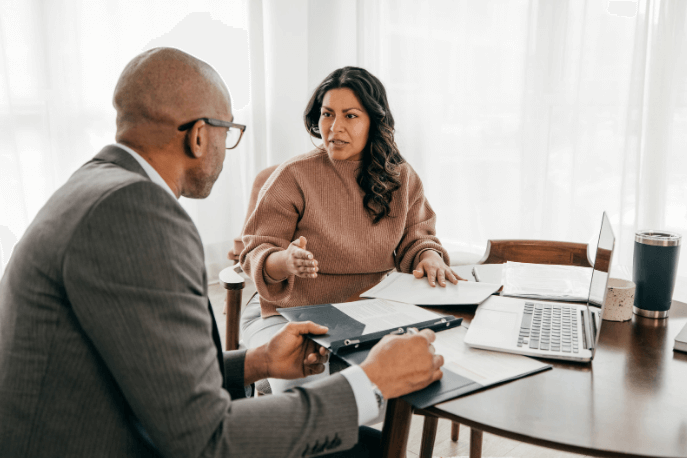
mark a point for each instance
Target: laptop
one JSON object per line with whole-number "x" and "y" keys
{"x": 555, "y": 330}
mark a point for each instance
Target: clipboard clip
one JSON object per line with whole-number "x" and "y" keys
{"x": 355, "y": 343}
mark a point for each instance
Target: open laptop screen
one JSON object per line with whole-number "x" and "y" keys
{"x": 600, "y": 275}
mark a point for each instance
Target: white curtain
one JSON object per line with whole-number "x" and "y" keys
{"x": 524, "y": 118}
{"x": 527, "y": 119}
{"x": 59, "y": 63}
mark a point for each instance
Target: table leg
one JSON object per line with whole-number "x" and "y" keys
{"x": 475, "y": 443}
{"x": 396, "y": 429}
{"x": 232, "y": 319}
{"x": 455, "y": 429}
{"x": 429, "y": 433}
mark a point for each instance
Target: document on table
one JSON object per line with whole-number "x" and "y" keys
{"x": 467, "y": 369}
{"x": 544, "y": 281}
{"x": 379, "y": 314}
{"x": 482, "y": 366}
{"x": 406, "y": 288}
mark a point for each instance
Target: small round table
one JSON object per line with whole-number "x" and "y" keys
{"x": 630, "y": 401}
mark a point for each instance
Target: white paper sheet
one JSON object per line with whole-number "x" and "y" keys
{"x": 380, "y": 315}
{"x": 406, "y": 288}
{"x": 543, "y": 281}
{"x": 483, "y": 366}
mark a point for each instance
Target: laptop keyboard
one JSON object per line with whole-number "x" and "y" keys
{"x": 549, "y": 327}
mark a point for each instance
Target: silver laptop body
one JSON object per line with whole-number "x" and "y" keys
{"x": 555, "y": 330}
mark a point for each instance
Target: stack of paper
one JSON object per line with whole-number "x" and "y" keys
{"x": 406, "y": 288}
{"x": 544, "y": 281}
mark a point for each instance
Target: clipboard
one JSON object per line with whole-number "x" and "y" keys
{"x": 464, "y": 368}
{"x": 346, "y": 333}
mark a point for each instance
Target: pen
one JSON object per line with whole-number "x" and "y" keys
{"x": 474, "y": 274}
{"x": 445, "y": 322}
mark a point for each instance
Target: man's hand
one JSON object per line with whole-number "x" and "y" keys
{"x": 399, "y": 365}
{"x": 291, "y": 355}
{"x": 288, "y": 355}
{"x": 432, "y": 265}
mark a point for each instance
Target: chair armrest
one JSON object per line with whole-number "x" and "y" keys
{"x": 229, "y": 278}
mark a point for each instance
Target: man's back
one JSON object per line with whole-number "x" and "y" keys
{"x": 57, "y": 396}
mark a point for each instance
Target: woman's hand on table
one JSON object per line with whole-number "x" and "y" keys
{"x": 432, "y": 265}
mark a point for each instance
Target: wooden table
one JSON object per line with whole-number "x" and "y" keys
{"x": 630, "y": 401}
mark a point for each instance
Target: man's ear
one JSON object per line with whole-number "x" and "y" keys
{"x": 197, "y": 140}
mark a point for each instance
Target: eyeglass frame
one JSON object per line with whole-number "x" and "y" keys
{"x": 216, "y": 123}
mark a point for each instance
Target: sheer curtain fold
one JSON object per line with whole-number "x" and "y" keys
{"x": 60, "y": 61}
{"x": 527, "y": 119}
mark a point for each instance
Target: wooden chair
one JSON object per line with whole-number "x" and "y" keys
{"x": 499, "y": 252}
{"x": 229, "y": 277}
{"x": 233, "y": 283}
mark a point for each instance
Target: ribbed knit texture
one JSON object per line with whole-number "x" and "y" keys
{"x": 319, "y": 198}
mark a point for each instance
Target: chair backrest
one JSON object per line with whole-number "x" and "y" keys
{"x": 537, "y": 252}
{"x": 230, "y": 277}
{"x": 258, "y": 183}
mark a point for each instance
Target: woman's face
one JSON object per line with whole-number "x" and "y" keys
{"x": 344, "y": 125}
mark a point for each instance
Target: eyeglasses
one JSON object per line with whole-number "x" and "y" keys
{"x": 234, "y": 131}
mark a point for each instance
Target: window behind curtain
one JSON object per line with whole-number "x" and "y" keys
{"x": 527, "y": 119}
{"x": 59, "y": 63}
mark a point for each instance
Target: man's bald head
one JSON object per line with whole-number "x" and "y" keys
{"x": 161, "y": 89}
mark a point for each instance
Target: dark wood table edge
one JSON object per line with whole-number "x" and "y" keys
{"x": 436, "y": 411}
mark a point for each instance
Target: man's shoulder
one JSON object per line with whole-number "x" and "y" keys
{"x": 88, "y": 188}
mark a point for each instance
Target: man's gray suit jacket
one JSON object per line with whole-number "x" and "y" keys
{"x": 104, "y": 328}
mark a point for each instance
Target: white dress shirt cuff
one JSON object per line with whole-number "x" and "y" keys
{"x": 362, "y": 391}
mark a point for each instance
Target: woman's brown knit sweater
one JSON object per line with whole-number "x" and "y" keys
{"x": 318, "y": 198}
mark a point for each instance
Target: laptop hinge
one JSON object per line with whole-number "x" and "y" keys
{"x": 585, "y": 328}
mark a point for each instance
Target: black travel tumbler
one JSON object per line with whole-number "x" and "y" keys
{"x": 654, "y": 270}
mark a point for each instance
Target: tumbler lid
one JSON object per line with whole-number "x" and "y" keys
{"x": 658, "y": 238}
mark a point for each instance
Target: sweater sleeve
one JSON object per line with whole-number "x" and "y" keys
{"x": 419, "y": 233}
{"x": 271, "y": 228}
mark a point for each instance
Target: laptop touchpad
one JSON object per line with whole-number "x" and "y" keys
{"x": 497, "y": 326}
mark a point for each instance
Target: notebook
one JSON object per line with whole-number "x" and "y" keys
{"x": 566, "y": 331}
{"x": 681, "y": 340}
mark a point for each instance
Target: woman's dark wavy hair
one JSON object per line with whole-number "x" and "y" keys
{"x": 379, "y": 174}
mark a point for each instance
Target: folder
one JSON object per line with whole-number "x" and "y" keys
{"x": 361, "y": 324}
{"x": 465, "y": 369}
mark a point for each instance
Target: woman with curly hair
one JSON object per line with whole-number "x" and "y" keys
{"x": 333, "y": 222}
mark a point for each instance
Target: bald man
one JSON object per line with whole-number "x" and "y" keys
{"x": 108, "y": 345}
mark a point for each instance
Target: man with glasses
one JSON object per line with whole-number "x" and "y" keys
{"x": 108, "y": 345}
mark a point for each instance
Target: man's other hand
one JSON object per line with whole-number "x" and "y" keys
{"x": 399, "y": 365}
{"x": 290, "y": 354}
